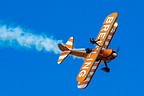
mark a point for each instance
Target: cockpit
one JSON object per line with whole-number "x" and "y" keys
{"x": 88, "y": 50}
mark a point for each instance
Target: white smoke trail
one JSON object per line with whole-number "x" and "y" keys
{"x": 15, "y": 36}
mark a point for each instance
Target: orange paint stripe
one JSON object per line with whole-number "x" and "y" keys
{"x": 68, "y": 46}
{"x": 81, "y": 83}
{"x": 108, "y": 40}
{"x": 92, "y": 70}
{"x": 114, "y": 27}
{"x": 90, "y": 76}
{"x": 70, "y": 40}
{"x": 105, "y": 46}
{"x": 60, "y": 60}
{"x": 111, "y": 33}
{"x": 96, "y": 64}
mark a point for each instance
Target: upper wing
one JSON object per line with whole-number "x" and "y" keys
{"x": 101, "y": 38}
{"x": 83, "y": 84}
{"x": 110, "y": 36}
{"x": 105, "y": 29}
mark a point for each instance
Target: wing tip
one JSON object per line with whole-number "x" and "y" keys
{"x": 59, "y": 62}
{"x": 113, "y": 14}
{"x": 116, "y": 24}
{"x": 83, "y": 86}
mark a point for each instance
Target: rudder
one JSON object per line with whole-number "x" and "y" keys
{"x": 69, "y": 43}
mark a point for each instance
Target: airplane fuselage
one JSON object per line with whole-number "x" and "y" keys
{"x": 106, "y": 54}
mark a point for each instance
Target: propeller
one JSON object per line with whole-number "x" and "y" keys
{"x": 118, "y": 49}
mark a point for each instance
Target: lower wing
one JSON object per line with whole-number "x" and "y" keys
{"x": 84, "y": 84}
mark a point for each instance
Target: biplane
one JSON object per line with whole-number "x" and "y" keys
{"x": 93, "y": 57}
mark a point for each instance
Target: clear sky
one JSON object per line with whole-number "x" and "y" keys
{"x": 28, "y": 72}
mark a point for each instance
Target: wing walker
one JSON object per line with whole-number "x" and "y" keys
{"x": 93, "y": 57}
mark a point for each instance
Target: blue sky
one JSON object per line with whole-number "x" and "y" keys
{"x": 28, "y": 72}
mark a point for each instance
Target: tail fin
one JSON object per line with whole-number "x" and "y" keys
{"x": 65, "y": 49}
{"x": 69, "y": 43}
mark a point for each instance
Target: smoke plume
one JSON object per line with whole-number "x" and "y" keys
{"x": 16, "y": 36}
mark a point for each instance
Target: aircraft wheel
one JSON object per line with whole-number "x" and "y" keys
{"x": 105, "y": 69}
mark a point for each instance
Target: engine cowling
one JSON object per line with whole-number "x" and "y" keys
{"x": 106, "y": 52}
{"x": 109, "y": 54}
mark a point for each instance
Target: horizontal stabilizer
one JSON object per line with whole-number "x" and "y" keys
{"x": 63, "y": 55}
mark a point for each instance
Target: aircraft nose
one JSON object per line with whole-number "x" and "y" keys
{"x": 114, "y": 54}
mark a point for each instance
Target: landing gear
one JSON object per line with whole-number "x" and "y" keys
{"x": 105, "y": 69}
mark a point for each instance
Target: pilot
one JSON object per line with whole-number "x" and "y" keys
{"x": 88, "y": 50}
{"x": 92, "y": 41}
